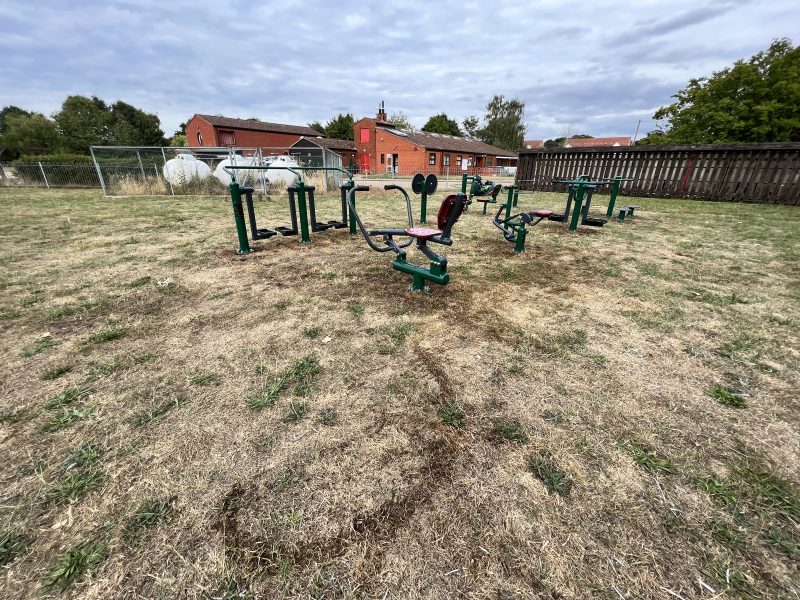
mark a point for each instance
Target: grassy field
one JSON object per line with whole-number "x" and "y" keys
{"x": 613, "y": 414}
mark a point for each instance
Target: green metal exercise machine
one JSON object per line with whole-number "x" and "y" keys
{"x": 449, "y": 212}
{"x": 477, "y": 187}
{"x": 424, "y": 186}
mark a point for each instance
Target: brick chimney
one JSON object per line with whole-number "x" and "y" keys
{"x": 381, "y": 116}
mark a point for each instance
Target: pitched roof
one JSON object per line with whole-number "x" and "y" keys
{"x": 597, "y": 142}
{"x": 256, "y": 125}
{"x": 449, "y": 143}
{"x": 533, "y": 144}
{"x": 330, "y": 143}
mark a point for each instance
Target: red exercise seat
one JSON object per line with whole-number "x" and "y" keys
{"x": 423, "y": 233}
{"x": 540, "y": 213}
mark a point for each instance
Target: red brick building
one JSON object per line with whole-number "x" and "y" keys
{"x": 310, "y": 149}
{"x": 213, "y": 131}
{"x": 381, "y": 147}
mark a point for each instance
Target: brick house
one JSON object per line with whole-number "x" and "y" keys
{"x": 310, "y": 149}
{"x": 213, "y": 132}
{"x": 531, "y": 144}
{"x": 381, "y": 147}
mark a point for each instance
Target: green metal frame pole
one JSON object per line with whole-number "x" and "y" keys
{"x": 238, "y": 215}
{"x": 576, "y": 210}
{"x": 522, "y": 233}
{"x": 303, "y": 210}
{"x": 516, "y": 197}
{"x": 509, "y": 202}
{"x": 613, "y": 199}
{"x": 351, "y": 215}
{"x": 464, "y": 183}
{"x": 423, "y": 213}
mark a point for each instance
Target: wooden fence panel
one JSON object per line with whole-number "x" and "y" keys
{"x": 738, "y": 173}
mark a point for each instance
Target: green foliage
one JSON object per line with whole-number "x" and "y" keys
{"x": 510, "y": 431}
{"x": 441, "y": 123}
{"x": 85, "y": 122}
{"x": 504, "y": 123}
{"x": 178, "y": 140}
{"x": 65, "y": 417}
{"x": 76, "y": 485}
{"x": 12, "y": 545}
{"x": 453, "y": 414}
{"x": 31, "y": 131}
{"x": 157, "y": 411}
{"x": 148, "y": 514}
{"x": 753, "y": 101}
{"x": 68, "y": 396}
{"x": 73, "y": 565}
{"x": 302, "y": 373}
{"x": 645, "y": 458}
{"x": 560, "y": 141}
{"x": 55, "y": 159}
{"x": 400, "y": 120}
{"x": 11, "y": 111}
{"x": 340, "y": 127}
{"x": 544, "y": 467}
{"x": 471, "y": 125}
{"x": 57, "y": 372}
{"x": 726, "y": 397}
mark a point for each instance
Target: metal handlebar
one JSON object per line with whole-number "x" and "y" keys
{"x": 391, "y": 245}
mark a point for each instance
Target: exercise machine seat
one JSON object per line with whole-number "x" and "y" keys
{"x": 423, "y": 233}
{"x": 540, "y": 213}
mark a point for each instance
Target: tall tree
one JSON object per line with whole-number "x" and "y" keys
{"x": 400, "y": 120}
{"x": 441, "y": 123}
{"x": 31, "y": 130}
{"x": 131, "y": 126}
{"x": 471, "y": 126}
{"x": 340, "y": 127}
{"x": 317, "y": 126}
{"x": 757, "y": 100}
{"x": 505, "y": 123}
{"x": 84, "y": 122}
{"x": 9, "y": 111}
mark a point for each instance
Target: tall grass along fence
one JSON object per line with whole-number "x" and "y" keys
{"x": 734, "y": 173}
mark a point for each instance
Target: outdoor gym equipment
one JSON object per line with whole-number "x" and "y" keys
{"x": 515, "y": 227}
{"x": 477, "y": 187}
{"x": 425, "y": 186}
{"x": 490, "y": 199}
{"x": 299, "y": 209}
{"x": 449, "y": 212}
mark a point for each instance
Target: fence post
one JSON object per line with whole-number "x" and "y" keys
{"x": 41, "y": 168}
{"x": 99, "y": 171}
{"x": 141, "y": 166}
{"x": 169, "y": 181}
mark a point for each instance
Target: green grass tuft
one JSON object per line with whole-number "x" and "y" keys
{"x": 107, "y": 335}
{"x": 157, "y": 411}
{"x": 65, "y": 417}
{"x": 301, "y": 373}
{"x": 328, "y": 417}
{"x": 148, "y": 514}
{"x": 311, "y": 332}
{"x": 38, "y": 346}
{"x": 65, "y": 398}
{"x": 206, "y": 378}
{"x": 76, "y": 563}
{"x": 510, "y": 431}
{"x": 645, "y": 458}
{"x": 76, "y": 485}
{"x": 555, "y": 480}
{"x": 452, "y": 414}
{"x": 12, "y": 545}
{"x": 56, "y": 372}
{"x": 297, "y": 411}
{"x": 82, "y": 456}
{"x": 726, "y": 397}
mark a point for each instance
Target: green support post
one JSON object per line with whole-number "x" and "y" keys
{"x": 350, "y": 217}
{"x": 303, "y": 210}
{"x": 464, "y": 183}
{"x": 614, "y": 192}
{"x": 238, "y": 215}
{"x": 522, "y": 233}
{"x": 516, "y": 197}
{"x": 622, "y": 214}
{"x": 423, "y": 213}
{"x": 509, "y": 201}
{"x": 576, "y": 210}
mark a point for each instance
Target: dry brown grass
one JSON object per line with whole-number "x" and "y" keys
{"x": 603, "y": 346}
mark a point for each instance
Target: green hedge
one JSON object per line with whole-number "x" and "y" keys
{"x": 55, "y": 159}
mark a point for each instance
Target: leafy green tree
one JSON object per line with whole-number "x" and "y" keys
{"x": 340, "y": 127}
{"x": 31, "y": 130}
{"x": 317, "y": 126}
{"x": 505, "y": 123}
{"x": 178, "y": 140}
{"x": 471, "y": 126}
{"x": 753, "y": 101}
{"x": 84, "y": 122}
{"x": 9, "y": 111}
{"x": 400, "y": 120}
{"x": 441, "y": 123}
{"x": 560, "y": 141}
{"x": 131, "y": 126}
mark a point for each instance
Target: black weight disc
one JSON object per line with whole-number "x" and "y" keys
{"x": 418, "y": 183}
{"x": 430, "y": 183}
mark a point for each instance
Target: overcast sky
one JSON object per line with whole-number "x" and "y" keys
{"x": 596, "y": 66}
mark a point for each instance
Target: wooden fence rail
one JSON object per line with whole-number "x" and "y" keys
{"x": 733, "y": 173}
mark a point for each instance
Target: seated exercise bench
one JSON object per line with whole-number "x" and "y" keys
{"x": 491, "y": 199}
{"x": 626, "y": 210}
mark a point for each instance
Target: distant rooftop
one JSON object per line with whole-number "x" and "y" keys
{"x": 256, "y": 125}
{"x": 598, "y": 142}
{"x": 448, "y": 143}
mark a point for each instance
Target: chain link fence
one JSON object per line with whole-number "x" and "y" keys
{"x": 47, "y": 175}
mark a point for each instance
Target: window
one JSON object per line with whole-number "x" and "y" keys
{"x": 226, "y": 138}
{"x": 489, "y": 161}
{"x": 446, "y": 160}
{"x": 469, "y": 161}
{"x": 458, "y": 159}
{"x": 382, "y": 157}
{"x": 364, "y": 135}
{"x": 199, "y": 138}
{"x": 432, "y": 158}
